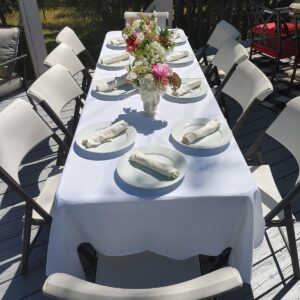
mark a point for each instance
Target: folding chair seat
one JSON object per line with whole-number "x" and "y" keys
{"x": 69, "y": 37}
{"x": 277, "y": 209}
{"x": 247, "y": 85}
{"x": 162, "y": 16}
{"x": 17, "y": 141}
{"x": 221, "y": 33}
{"x": 64, "y": 55}
{"x": 53, "y": 90}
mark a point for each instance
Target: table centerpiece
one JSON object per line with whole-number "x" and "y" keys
{"x": 148, "y": 43}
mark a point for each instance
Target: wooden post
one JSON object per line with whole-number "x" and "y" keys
{"x": 34, "y": 34}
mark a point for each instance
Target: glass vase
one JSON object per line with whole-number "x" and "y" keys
{"x": 150, "y": 102}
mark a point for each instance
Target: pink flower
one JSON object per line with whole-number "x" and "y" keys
{"x": 161, "y": 71}
{"x": 164, "y": 81}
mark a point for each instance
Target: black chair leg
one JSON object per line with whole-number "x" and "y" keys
{"x": 26, "y": 240}
{"x": 292, "y": 241}
{"x": 274, "y": 258}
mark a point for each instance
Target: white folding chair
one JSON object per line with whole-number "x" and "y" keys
{"x": 64, "y": 55}
{"x": 230, "y": 54}
{"x": 247, "y": 85}
{"x": 162, "y": 16}
{"x": 21, "y": 129}
{"x": 221, "y": 33}
{"x": 64, "y": 286}
{"x": 53, "y": 90}
{"x": 69, "y": 37}
{"x": 277, "y": 209}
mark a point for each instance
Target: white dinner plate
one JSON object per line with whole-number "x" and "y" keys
{"x": 117, "y": 47}
{"x": 119, "y": 91}
{"x": 218, "y": 139}
{"x": 142, "y": 177}
{"x": 181, "y": 61}
{"x": 117, "y": 65}
{"x": 198, "y": 92}
{"x": 120, "y": 142}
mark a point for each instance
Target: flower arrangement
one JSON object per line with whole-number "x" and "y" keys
{"x": 154, "y": 77}
{"x": 144, "y": 38}
{"x": 149, "y": 44}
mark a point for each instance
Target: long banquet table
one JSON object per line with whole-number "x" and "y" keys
{"x": 217, "y": 205}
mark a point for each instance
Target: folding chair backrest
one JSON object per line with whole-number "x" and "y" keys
{"x": 64, "y": 55}
{"x": 231, "y": 52}
{"x": 162, "y": 16}
{"x": 9, "y": 43}
{"x": 69, "y": 37}
{"x": 56, "y": 87}
{"x": 246, "y": 84}
{"x": 285, "y": 129}
{"x": 221, "y": 33}
{"x": 20, "y": 130}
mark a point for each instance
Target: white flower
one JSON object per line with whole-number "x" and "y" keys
{"x": 131, "y": 76}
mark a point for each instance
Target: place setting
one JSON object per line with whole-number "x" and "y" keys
{"x": 113, "y": 88}
{"x": 191, "y": 90}
{"x": 153, "y": 168}
{"x": 178, "y": 36}
{"x": 115, "y": 61}
{"x": 201, "y": 136}
{"x": 117, "y": 43}
{"x": 105, "y": 140}
{"x": 180, "y": 58}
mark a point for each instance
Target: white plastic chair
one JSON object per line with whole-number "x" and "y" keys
{"x": 162, "y": 16}
{"x": 53, "y": 90}
{"x": 21, "y": 129}
{"x": 69, "y": 37}
{"x": 64, "y": 55}
{"x": 64, "y": 286}
{"x": 246, "y": 85}
{"x": 230, "y": 54}
{"x": 221, "y": 33}
{"x": 277, "y": 209}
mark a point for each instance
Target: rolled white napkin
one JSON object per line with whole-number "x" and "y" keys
{"x": 115, "y": 58}
{"x": 110, "y": 85}
{"x": 157, "y": 166}
{"x": 118, "y": 41}
{"x": 105, "y": 135}
{"x": 185, "y": 88}
{"x": 209, "y": 128}
{"x": 177, "y": 55}
{"x": 295, "y": 6}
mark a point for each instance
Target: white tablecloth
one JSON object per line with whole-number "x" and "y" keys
{"x": 216, "y": 206}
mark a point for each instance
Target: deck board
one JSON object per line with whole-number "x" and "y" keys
{"x": 266, "y": 280}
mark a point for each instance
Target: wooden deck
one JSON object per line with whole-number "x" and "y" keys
{"x": 266, "y": 283}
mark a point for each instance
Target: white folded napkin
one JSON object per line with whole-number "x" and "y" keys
{"x": 209, "y": 128}
{"x": 185, "y": 88}
{"x": 110, "y": 85}
{"x": 157, "y": 166}
{"x": 295, "y": 6}
{"x": 118, "y": 41}
{"x": 176, "y": 33}
{"x": 115, "y": 58}
{"x": 177, "y": 55}
{"x": 105, "y": 135}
